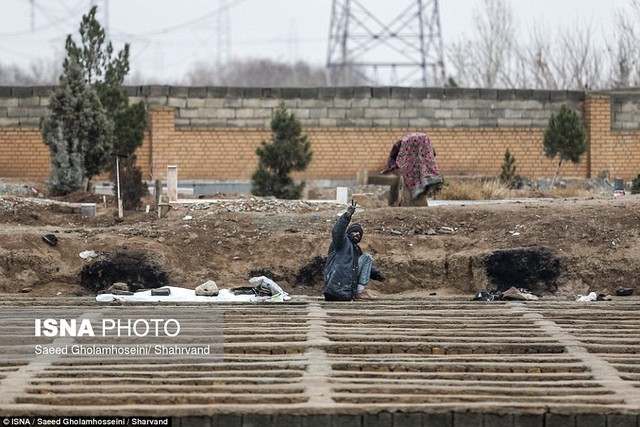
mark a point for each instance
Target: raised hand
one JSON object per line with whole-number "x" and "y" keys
{"x": 351, "y": 209}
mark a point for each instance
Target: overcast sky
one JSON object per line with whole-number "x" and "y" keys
{"x": 168, "y": 36}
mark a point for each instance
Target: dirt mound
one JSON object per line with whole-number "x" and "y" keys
{"x": 83, "y": 197}
{"x": 559, "y": 247}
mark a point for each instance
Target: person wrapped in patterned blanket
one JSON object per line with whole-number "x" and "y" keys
{"x": 413, "y": 158}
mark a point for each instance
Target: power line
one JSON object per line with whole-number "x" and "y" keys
{"x": 223, "y": 33}
{"x": 191, "y": 22}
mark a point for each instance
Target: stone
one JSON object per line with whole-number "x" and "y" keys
{"x": 119, "y": 286}
{"x": 207, "y": 289}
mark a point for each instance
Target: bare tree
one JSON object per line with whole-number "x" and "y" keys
{"x": 459, "y": 56}
{"x": 38, "y": 72}
{"x": 623, "y": 49}
{"x": 258, "y": 72}
{"x": 487, "y": 60}
{"x": 202, "y": 74}
{"x": 497, "y": 41}
{"x": 578, "y": 65}
{"x": 538, "y": 57}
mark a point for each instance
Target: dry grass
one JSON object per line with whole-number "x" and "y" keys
{"x": 474, "y": 189}
{"x": 572, "y": 190}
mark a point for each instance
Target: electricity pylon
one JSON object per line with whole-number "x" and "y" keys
{"x": 404, "y": 51}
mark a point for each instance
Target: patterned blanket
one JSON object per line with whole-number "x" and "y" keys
{"x": 415, "y": 157}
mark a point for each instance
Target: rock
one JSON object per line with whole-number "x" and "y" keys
{"x": 207, "y": 289}
{"x": 88, "y": 254}
{"x": 119, "y": 286}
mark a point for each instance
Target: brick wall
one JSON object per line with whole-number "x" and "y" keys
{"x": 614, "y": 152}
{"x": 211, "y": 133}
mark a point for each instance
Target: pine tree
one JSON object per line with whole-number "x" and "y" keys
{"x": 95, "y": 66}
{"x": 66, "y": 163}
{"x": 635, "y": 185}
{"x": 133, "y": 187}
{"x": 106, "y": 72}
{"x": 77, "y": 118}
{"x": 288, "y": 151}
{"x": 566, "y": 137}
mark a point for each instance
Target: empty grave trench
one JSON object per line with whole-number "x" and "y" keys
{"x": 380, "y": 353}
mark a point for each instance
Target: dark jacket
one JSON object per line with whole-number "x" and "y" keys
{"x": 341, "y": 269}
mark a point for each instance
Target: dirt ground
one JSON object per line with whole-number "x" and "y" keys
{"x": 557, "y": 248}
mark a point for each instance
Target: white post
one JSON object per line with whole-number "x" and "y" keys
{"x": 120, "y": 208}
{"x": 342, "y": 195}
{"x": 172, "y": 183}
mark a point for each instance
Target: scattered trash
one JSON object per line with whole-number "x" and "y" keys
{"x": 187, "y": 217}
{"x": 265, "y": 287}
{"x": 624, "y": 292}
{"x": 26, "y": 290}
{"x": 511, "y": 294}
{"x": 591, "y": 297}
{"x": 483, "y": 296}
{"x": 276, "y": 298}
{"x": 447, "y": 230}
{"x": 161, "y": 292}
{"x": 185, "y": 295}
{"x": 518, "y": 294}
{"x": 51, "y": 239}
{"x": 594, "y": 297}
{"x": 618, "y": 187}
{"x": 88, "y": 254}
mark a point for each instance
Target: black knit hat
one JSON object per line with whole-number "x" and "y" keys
{"x": 355, "y": 227}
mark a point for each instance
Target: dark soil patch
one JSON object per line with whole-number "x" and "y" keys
{"x": 312, "y": 273}
{"x": 133, "y": 268}
{"x": 536, "y": 269}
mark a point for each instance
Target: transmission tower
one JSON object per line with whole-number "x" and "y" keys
{"x": 404, "y": 51}
{"x": 223, "y": 30}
